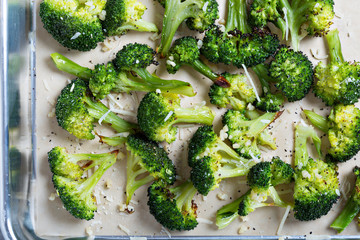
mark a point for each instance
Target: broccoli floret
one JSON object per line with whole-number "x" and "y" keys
{"x": 239, "y": 44}
{"x": 145, "y": 156}
{"x": 185, "y": 51}
{"x": 157, "y": 113}
{"x": 104, "y": 78}
{"x": 212, "y": 160}
{"x": 72, "y": 23}
{"x": 338, "y": 82}
{"x": 316, "y": 182}
{"x": 343, "y": 128}
{"x": 352, "y": 207}
{"x": 173, "y": 207}
{"x": 76, "y": 112}
{"x": 313, "y": 16}
{"x": 238, "y": 95}
{"x": 199, "y": 15}
{"x": 243, "y": 132}
{"x": 262, "y": 178}
{"x": 269, "y": 102}
{"x": 292, "y": 72}
{"x": 124, "y": 15}
{"x": 74, "y": 190}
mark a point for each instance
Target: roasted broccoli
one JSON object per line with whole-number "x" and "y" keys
{"x": 212, "y": 160}
{"x": 292, "y": 72}
{"x": 269, "y": 102}
{"x": 75, "y": 190}
{"x": 199, "y": 15}
{"x": 145, "y": 156}
{"x": 352, "y": 207}
{"x": 244, "y": 133}
{"x": 173, "y": 207}
{"x": 81, "y": 25}
{"x": 297, "y": 17}
{"x": 240, "y": 44}
{"x": 338, "y": 82}
{"x": 105, "y": 78}
{"x": 262, "y": 179}
{"x": 124, "y": 15}
{"x": 343, "y": 128}
{"x": 157, "y": 113}
{"x": 76, "y": 112}
{"x": 316, "y": 182}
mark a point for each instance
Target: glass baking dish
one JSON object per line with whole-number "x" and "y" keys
{"x": 20, "y": 139}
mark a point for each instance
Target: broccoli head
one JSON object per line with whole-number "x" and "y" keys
{"x": 74, "y": 24}
{"x": 199, "y": 16}
{"x": 124, "y": 15}
{"x": 157, "y": 113}
{"x": 243, "y": 132}
{"x": 292, "y": 72}
{"x": 212, "y": 160}
{"x": 316, "y": 182}
{"x": 343, "y": 129}
{"x": 338, "y": 82}
{"x": 76, "y": 112}
{"x": 173, "y": 207}
{"x": 352, "y": 207}
{"x": 145, "y": 156}
{"x": 75, "y": 191}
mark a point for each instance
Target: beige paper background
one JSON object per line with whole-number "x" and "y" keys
{"x": 51, "y": 219}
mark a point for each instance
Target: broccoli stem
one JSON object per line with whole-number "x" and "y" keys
{"x": 223, "y": 147}
{"x": 228, "y": 212}
{"x": 66, "y": 65}
{"x": 175, "y": 86}
{"x": 113, "y": 141}
{"x": 259, "y": 124}
{"x": 133, "y": 171}
{"x": 98, "y": 110}
{"x": 139, "y": 25}
{"x": 334, "y": 45}
{"x": 225, "y": 172}
{"x": 301, "y": 135}
{"x": 176, "y": 12}
{"x": 350, "y": 211}
{"x": 318, "y": 121}
{"x": 184, "y": 194}
{"x": 201, "y": 67}
{"x": 201, "y": 115}
{"x": 263, "y": 75}
{"x": 276, "y": 198}
{"x": 237, "y": 16}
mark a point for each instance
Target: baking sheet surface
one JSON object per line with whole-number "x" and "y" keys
{"x": 51, "y": 219}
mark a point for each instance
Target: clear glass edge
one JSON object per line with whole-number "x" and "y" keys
{"x": 25, "y": 229}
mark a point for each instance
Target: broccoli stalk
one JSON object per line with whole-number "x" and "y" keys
{"x": 105, "y": 78}
{"x": 316, "y": 182}
{"x": 173, "y": 207}
{"x": 342, "y": 127}
{"x": 338, "y": 81}
{"x": 75, "y": 191}
{"x": 76, "y": 112}
{"x": 237, "y": 16}
{"x": 352, "y": 207}
{"x": 200, "y": 15}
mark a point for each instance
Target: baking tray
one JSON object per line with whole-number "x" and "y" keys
{"x": 29, "y": 85}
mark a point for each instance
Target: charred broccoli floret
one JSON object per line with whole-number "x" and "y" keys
{"x": 297, "y": 17}
{"x": 157, "y": 113}
{"x": 212, "y": 160}
{"x": 343, "y": 128}
{"x": 244, "y": 133}
{"x": 316, "y": 182}
{"x": 76, "y": 112}
{"x": 173, "y": 207}
{"x": 104, "y": 78}
{"x": 75, "y": 191}
{"x": 338, "y": 82}
{"x": 262, "y": 179}
{"x": 292, "y": 72}
{"x": 352, "y": 207}
{"x": 199, "y": 16}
